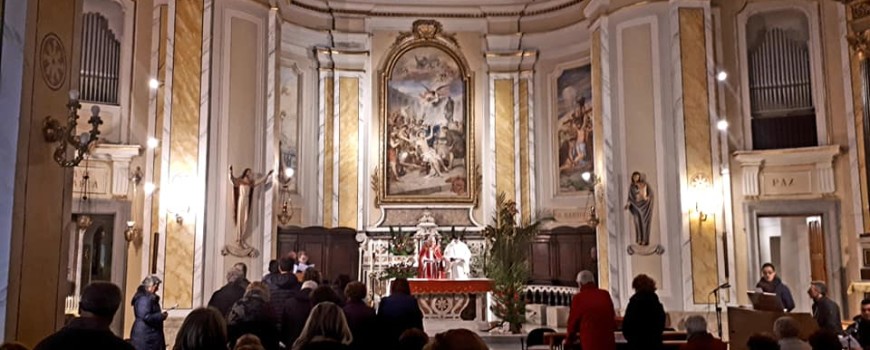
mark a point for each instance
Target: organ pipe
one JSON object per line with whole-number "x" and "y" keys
{"x": 101, "y": 54}
{"x": 779, "y": 74}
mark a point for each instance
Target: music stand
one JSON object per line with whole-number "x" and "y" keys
{"x": 765, "y": 301}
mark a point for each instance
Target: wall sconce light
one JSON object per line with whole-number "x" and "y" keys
{"x": 131, "y": 233}
{"x": 179, "y": 196}
{"x": 705, "y": 200}
{"x": 66, "y": 136}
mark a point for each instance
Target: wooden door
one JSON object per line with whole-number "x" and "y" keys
{"x": 818, "y": 268}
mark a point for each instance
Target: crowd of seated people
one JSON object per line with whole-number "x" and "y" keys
{"x": 281, "y": 311}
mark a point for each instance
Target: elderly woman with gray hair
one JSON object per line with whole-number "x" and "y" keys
{"x": 786, "y": 330}
{"x": 699, "y": 338}
{"x": 147, "y": 333}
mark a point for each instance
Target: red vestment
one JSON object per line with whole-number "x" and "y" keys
{"x": 593, "y": 317}
{"x": 429, "y": 262}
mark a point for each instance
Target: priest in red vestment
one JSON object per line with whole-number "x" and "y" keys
{"x": 429, "y": 260}
{"x": 592, "y": 316}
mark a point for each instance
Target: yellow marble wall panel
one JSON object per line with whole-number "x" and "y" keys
{"x": 857, "y": 90}
{"x": 328, "y": 157}
{"x": 505, "y": 155}
{"x": 598, "y": 147}
{"x": 183, "y": 148}
{"x": 348, "y": 152}
{"x": 699, "y": 157}
{"x": 525, "y": 177}
{"x": 158, "y": 129}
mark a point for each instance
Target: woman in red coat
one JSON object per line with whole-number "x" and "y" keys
{"x": 592, "y": 315}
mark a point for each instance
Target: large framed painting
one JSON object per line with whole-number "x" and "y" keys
{"x": 427, "y": 140}
{"x": 573, "y": 130}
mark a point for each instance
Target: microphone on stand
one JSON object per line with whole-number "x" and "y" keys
{"x": 725, "y": 285}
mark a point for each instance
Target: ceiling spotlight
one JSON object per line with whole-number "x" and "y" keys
{"x": 153, "y": 84}
{"x": 722, "y": 75}
{"x": 722, "y": 125}
{"x": 153, "y": 143}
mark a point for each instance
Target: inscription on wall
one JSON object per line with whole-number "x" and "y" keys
{"x": 786, "y": 183}
{"x": 97, "y": 182}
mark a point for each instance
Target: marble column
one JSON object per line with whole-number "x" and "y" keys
{"x": 511, "y": 127}
{"x": 185, "y": 127}
{"x": 343, "y": 122}
{"x": 695, "y": 74}
{"x": 40, "y": 64}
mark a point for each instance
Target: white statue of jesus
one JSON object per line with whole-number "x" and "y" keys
{"x": 458, "y": 258}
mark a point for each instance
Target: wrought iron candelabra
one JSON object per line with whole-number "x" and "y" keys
{"x": 66, "y": 135}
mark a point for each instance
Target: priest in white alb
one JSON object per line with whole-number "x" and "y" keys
{"x": 458, "y": 258}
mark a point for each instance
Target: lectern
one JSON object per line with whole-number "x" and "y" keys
{"x": 744, "y": 322}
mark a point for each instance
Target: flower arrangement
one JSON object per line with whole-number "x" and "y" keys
{"x": 400, "y": 270}
{"x": 401, "y": 244}
{"x": 507, "y": 262}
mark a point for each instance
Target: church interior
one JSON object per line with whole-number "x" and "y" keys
{"x": 690, "y": 141}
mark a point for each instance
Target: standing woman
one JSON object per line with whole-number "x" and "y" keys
{"x": 147, "y": 333}
{"x": 644, "y": 320}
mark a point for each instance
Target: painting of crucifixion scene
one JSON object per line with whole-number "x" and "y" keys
{"x": 574, "y": 130}
{"x": 426, "y": 126}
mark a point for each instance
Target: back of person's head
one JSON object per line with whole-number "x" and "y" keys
{"x": 820, "y": 286}
{"x": 312, "y": 274}
{"x": 323, "y": 294}
{"x": 696, "y": 325}
{"x": 234, "y": 275}
{"x": 309, "y": 285}
{"x": 643, "y": 283}
{"x": 273, "y": 266}
{"x": 100, "y": 299}
{"x": 457, "y": 339}
{"x": 342, "y": 280}
{"x": 413, "y": 339}
{"x": 285, "y": 265}
{"x": 785, "y": 327}
{"x": 258, "y": 288}
{"x": 151, "y": 281}
{"x": 585, "y": 277}
{"x": 13, "y": 346}
{"x": 248, "y": 342}
{"x": 326, "y": 321}
{"x": 825, "y": 340}
{"x": 355, "y": 291}
{"x": 400, "y": 286}
{"x": 202, "y": 329}
{"x": 241, "y": 267}
{"x": 762, "y": 342}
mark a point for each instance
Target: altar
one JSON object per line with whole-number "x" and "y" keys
{"x": 452, "y": 299}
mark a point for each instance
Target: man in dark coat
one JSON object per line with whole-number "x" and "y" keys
{"x": 770, "y": 283}
{"x": 224, "y": 298}
{"x": 147, "y": 332}
{"x": 244, "y": 269}
{"x": 97, "y": 307}
{"x": 282, "y": 286}
{"x": 253, "y": 315}
{"x": 825, "y": 311}
{"x": 360, "y": 317}
{"x": 398, "y": 312}
{"x": 591, "y": 315}
{"x": 644, "y": 320}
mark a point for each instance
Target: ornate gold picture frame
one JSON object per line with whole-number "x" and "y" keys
{"x": 427, "y": 124}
